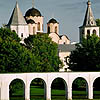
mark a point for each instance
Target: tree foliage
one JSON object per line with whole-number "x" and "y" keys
{"x": 39, "y": 54}
{"x": 86, "y": 57}
{"x": 13, "y": 56}
{"x": 45, "y": 51}
{"x": 98, "y": 22}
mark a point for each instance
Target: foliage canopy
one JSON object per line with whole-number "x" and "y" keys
{"x": 13, "y": 56}
{"x": 45, "y": 51}
{"x": 39, "y": 54}
{"x": 98, "y": 22}
{"x": 86, "y": 56}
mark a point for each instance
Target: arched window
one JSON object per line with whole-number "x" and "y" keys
{"x": 13, "y": 31}
{"x": 33, "y": 30}
{"x": 94, "y": 31}
{"x": 91, "y": 22}
{"x": 56, "y": 29}
{"x": 88, "y": 32}
{"x": 21, "y": 35}
{"x": 64, "y": 42}
{"x": 88, "y": 22}
{"x": 48, "y": 29}
{"x": 38, "y": 26}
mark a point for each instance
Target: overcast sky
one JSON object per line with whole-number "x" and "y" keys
{"x": 69, "y": 13}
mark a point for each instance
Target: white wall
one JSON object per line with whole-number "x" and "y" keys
{"x": 54, "y": 37}
{"x": 21, "y": 29}
{"x": 68, "y": 77}
{"x": 37, "y": 19}
{"x": 63, "y": 56}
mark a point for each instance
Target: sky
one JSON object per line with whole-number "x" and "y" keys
{"x": 69, "y": 13}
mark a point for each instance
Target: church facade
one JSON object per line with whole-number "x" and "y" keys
{"x": 32, "y": 23}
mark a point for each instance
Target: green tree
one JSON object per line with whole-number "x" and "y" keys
{"x": 98, "y": 22}
{"x": 14, "y": 57}
{"x": 45, "y": 51}
{"x": 86, "y": 56}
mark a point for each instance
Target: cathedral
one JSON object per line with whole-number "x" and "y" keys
{"x": 32, "y": 23}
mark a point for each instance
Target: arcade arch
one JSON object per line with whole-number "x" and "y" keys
{"x": 59, "y": 84}
{"x": 38, "y": 89}
{"x": 96, "y": 88}
{"x": 80, "y": 85}
{"x": 17, "y": 89}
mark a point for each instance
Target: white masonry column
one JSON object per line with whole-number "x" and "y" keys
{"x": 27, "y": 92}
{"x": 48, "y": 92}
{"x": 87, "y": 93}
{"x": 45, "y": 91}
{"x": 4, "y": 91}
{"x": 90, "y": 92}
{"x": 69, "y": 92}
{"x": 66, "y": 92}
{"x": 0, "y": 90}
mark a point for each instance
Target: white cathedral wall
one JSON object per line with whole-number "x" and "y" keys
{"x": 54, "y": 37}
{"x": 37, "y": 19}
{"x": 63, "y": 56}
{"x": 14, "y": 28}
{"x": 30, "y": 26}
{"x": 21, "y": 29}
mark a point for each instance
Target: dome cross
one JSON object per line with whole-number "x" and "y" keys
{"x": 33, "y": 3}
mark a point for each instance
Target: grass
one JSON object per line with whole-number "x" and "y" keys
{"x": 37, "y": 93}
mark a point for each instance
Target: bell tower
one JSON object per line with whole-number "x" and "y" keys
{"x": 18, "y": 24}
{"x": 89, "y": 26}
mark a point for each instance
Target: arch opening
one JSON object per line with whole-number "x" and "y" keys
{"x": 94, "y": 31}
{"x": 56, "y": 29}
{"x": 17, "y": 90}
{"x": 38, "y": 89}
{"x": 96, "y": 88}
{"x": 80, "y": 88}
{"x": 59, "y": 89}
{"x": 48, "y": 29}
{"x": 33, "y": 30}
{"x": 38, "y": 26}
{"x": 21, "y": 35}
{"x": 88, "y": 32}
